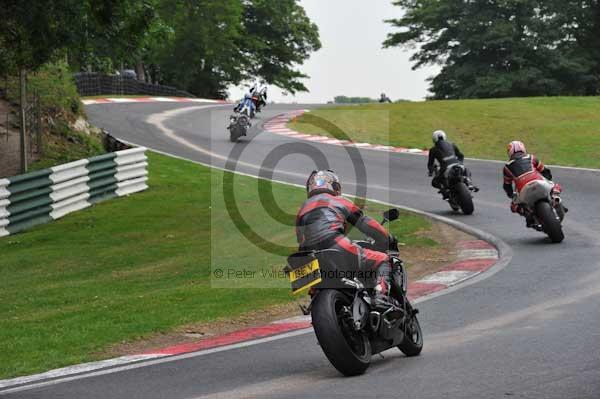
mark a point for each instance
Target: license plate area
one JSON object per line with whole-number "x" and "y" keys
{"x": 305, "y": 276}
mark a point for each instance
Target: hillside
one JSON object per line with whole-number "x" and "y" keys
{"x": 560, "y": 130}
{"x": 57, "y": 129}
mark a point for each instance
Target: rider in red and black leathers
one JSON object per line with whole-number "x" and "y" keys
{"x": 521, "y": 169}
{"x": 322, "y": 221}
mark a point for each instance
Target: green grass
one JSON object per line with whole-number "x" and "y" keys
{"x": 134, "y": 266}
{"x": 560, "y": 130}
{"x": 63, "y": 144}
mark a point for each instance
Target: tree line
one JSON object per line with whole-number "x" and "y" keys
{"x": 201, "y": 46}
{"x": 503, "y": 48}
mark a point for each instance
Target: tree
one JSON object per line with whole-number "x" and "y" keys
{"x": 30, "y": 35}
{"x": 33, "y": 33}
{"x": 277, "y": 36}
{"x": 111, "y": 33}
{"x": 201, "y": 56}
{"x": 498, "y": 48}
{"x": 215, "y": 43}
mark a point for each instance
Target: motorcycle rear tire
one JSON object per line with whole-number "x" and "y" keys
{"x": 464, "y": 198}
{"x": 550, "y": 222}
{"x": 329, "y": 333}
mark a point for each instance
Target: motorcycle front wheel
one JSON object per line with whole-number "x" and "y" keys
{"x": 348, "y": 351}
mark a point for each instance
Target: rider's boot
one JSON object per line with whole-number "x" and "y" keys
{"x": 530, "y": 220}
{"x": 471, "y": 186}
{"x": 445, "y": 193}
{"x": 383, "y": 286}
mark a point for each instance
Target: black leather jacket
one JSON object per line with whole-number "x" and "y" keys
{"x": 446, "y": 153}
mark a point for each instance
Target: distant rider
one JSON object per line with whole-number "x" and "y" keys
{"x": 384, "y": 99}
{"x": 260, "y": 90}
{"x": 257, "y": 89}
{"x": 322, "y": 221}
{"x": 521, "y": 169}
{"x": 445, "y": 153}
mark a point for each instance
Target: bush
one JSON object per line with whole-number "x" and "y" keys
{"x": 60, "y": 107}
{"x": 54, "y": 85}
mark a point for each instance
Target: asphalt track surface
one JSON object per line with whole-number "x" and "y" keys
{"x": 532, "y": 330}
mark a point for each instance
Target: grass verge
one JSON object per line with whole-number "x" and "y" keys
{"x": 131, "y": 267}
{"x": 560, "y": 130}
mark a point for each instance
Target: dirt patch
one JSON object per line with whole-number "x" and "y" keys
{"x": 420, "y": 262}
{"x": 424, "y": 261}
{"x": 199, "y": 331}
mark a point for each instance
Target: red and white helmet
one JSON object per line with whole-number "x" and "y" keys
{"x": 323, "y": 181}
{"x": 515, "y": 147}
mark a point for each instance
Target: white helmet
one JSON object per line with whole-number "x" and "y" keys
{"x": 438, "y": 135}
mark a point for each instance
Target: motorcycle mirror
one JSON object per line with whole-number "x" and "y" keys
{"x": 391, "y": 214}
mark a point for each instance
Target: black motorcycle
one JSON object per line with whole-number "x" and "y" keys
{"x": 350, "y": 326}
{"x": 238, "y": 126}
{"x": 458, "y": 182}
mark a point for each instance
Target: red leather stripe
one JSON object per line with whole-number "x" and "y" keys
{"x": 348, "y": 204}
{"x": 526, "y": 178}
{"x": 312, "y": 206}
{"x": 347, "y": 245}
{"x": 373, "y": 224}
{"x": 377, "y": 258}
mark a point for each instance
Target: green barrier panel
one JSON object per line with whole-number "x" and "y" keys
{"x": 103, "y": 183}
{"x": 29, "y": 219}
{"x": 29, "y": 181}
{"x": 30, "y": 201}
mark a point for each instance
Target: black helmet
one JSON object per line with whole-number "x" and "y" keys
{"x": 323, "y": 181}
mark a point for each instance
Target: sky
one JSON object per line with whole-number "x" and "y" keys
{"x": 352, "y": 61}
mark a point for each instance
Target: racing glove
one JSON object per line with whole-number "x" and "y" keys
{"x": 393, "y": 243}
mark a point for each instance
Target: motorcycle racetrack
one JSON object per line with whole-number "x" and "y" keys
{"x": 530, "y": 330}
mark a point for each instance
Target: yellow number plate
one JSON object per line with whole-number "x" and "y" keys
{"x": 305, "y": 277}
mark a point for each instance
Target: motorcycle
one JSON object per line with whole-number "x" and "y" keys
{"x": 458, "y": 182}
{"x": 246, "y": 106}
{"x": 350, "y": 326}
{"x": 541, "y": 201}
{"x": 258, "y": 101}
{"x": 238, "y": 126}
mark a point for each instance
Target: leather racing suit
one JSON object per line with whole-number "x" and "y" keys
{"x": 321, "y": 224}
{"x": 520, "y": 171}
{"x": 445, "y": 153}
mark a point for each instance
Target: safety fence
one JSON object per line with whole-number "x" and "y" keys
{"x": 44, "y": 195}
{"x": 97, "y": 84}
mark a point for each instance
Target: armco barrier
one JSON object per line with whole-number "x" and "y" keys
{"x": 38, "y": 197}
